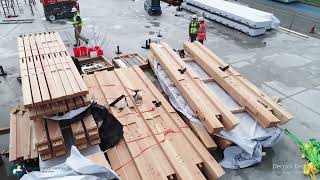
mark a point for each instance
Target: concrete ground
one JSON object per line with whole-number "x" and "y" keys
{"x": 281, "y": 64}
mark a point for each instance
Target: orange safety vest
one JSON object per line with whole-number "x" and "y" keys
{"x": 202, "y": 31}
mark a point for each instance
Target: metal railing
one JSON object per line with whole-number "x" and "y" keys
{"x": 294, "y": 21}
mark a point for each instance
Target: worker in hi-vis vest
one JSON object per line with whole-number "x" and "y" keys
{"x": 77, "y": 24}
{"x": 202, "y": 30}
{"x": 193, "y": 28}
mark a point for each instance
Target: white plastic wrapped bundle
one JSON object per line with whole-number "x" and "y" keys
{"x": 251, "y": 17}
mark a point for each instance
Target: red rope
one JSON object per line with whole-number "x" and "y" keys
{"x": 166, "y": 132}
{"x": 150, "y": 110}
{"x": 114, "y": 85}
{"x": 123, "y": 165}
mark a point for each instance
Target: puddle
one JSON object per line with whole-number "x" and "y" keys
{"x": 155, "y": 24}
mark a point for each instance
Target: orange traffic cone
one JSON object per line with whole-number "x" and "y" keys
{"x": 313, "y": 29}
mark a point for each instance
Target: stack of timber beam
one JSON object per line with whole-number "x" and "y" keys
{"x": 22, "y": 137}
{"x": 51, "y": 85}
{"x": 156, "y": 144}
{"x": 48, "y": 75}
{"x": 214, "y": 115}
{"x": 266, "y": 111}
{"x": 129, "y": 60}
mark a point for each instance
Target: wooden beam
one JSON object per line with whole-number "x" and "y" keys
{"x": 13, "y": 137}
{"x": 119, "y": 154}
{"x": 56, "y": 138}
{"x": 203, "y": 135}
{"x": 190, "y": 83}
{"x": 231, "y": 85}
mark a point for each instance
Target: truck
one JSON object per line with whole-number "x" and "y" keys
{"x": 58, "y": 9}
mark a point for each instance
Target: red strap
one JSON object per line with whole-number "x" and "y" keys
{"x": 166, "y": 132}
{"x": 150, "y": 110}
{"x": 123, "y": 165}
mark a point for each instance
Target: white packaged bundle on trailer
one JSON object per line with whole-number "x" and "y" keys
{"x": 236, "y": 25}
{"x": 243, "y": 14}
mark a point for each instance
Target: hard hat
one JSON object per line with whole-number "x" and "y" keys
{"x": 74, "y": 9}
{"x": 194, "y": 16}
{"x": 201, "y": 18}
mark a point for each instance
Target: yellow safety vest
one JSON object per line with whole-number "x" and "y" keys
{"x": 193, "y": 28}
{"x": 75, "y": 22}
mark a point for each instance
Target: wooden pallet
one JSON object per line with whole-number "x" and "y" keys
{"x": 254, "y": 101}
{"x": 21, "y": 137}
{"x": 48, "y": 73}
{"x": 129, "y": 60}
{"x": 91, "y": 65}
{"x": 153, "y": 135}
{"x": 211, "y": 111}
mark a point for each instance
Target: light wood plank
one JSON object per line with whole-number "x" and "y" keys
{"x": 13, "y": 136}
{"x": 189, "y": 89}
{"x": 231, "y": 85}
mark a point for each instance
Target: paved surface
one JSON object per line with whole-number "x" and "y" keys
{"x": 281, "y": 64}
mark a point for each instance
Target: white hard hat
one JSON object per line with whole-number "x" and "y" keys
{"x": 194, "y": 16}
{"x": 201, "y": 18}
{"x": 74, "y": 9}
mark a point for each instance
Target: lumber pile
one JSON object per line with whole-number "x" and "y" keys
{"x": 51, "y": 85}
{"x": 154, "y": 133}
{"x": 267, "y": 112}
{"x": 22, "y": 137}
{"x": 50, "y": 142}
{"x": 214, "y": 115}
{"x": 30, "y": 138}
{"x": 205, "y": 103}
{"x": 48, "y": 75}
{"x": 129, "y": 60}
